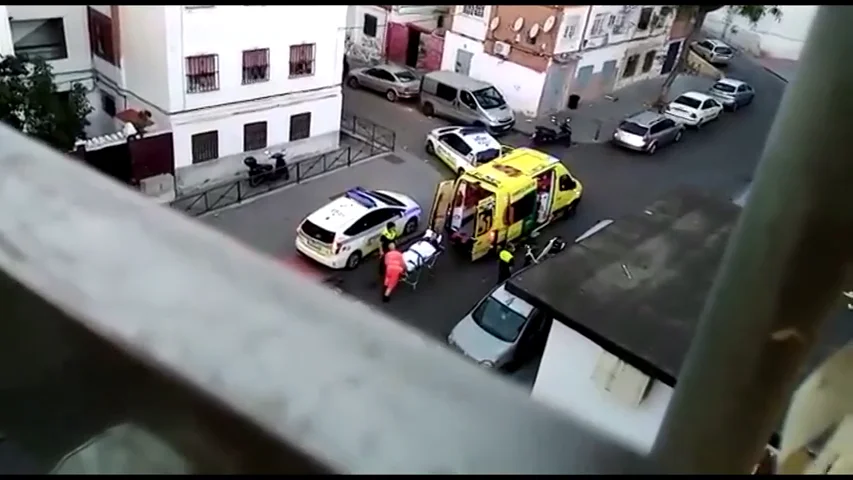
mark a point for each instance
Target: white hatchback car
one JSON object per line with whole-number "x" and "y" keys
{"x": 463, "y": 148}
{"x": 694, "y": 109}
{"x": 346, "y": 230}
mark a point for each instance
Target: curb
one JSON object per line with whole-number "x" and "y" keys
{"x": 771, "y": 72}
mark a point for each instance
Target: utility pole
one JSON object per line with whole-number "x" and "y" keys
{"x": 781, "y": 276}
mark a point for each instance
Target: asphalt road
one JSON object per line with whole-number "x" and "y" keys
{"x": 721, "y": 157}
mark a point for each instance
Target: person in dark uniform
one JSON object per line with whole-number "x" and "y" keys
{"x": 505, "y": 259}
{"x": 389, "y": 235}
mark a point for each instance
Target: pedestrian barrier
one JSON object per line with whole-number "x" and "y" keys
{"x": 373, "y": 140}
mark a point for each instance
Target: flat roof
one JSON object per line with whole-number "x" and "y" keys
{"x": 637, "y": 287}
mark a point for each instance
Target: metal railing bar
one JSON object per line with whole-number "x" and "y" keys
{"x": 309, "y": 373}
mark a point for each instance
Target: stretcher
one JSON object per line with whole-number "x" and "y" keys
{"x": 421, "y": 256}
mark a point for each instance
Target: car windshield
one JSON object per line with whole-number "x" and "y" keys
{"x": 723, "y": 50}
{"x": 687, "y": 101}
{"x": 632, "y": 127}
{"x": 724, "y": 87}
{"x": 489, "y": 98}
{"x": 498, "y": 320}
{"x": 405, "y": 76}
{"x": 488, "y": 155}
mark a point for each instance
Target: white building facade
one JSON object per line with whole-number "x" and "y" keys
{"x": 539, "y": 55}
{"x": 782, "y": 38}
{"x": 226, "y": 81}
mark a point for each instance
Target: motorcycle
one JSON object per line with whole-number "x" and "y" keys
{"x": 556, "y": 131}
{"x": 264, "y": 172}
{"x": 553, "y": 247}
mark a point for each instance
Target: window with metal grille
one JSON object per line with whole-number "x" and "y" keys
{"x": 256, "y": 65}
{"x": 254, "y": 136}
{"x": 300, "y": 126}
{"x": 202, "y": 73}
{"x": 478, "y": 11}
{"x": 108, "y": 104}
{"x": 205, "y": 146}
{"x": 101, "y": 36}
{"x": 302, "y": 60}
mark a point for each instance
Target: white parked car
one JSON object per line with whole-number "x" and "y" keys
{"x": 463, "y": 148}
{"x": 346, "y": 230}
{"x": 694, "y": 109}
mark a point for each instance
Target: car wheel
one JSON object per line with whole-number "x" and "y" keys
{"x": 734, "y": 107}
{"x": 430, "y": 149}
{"x": 427, "y": 109}
{"x": 572, "y": 209}
{"x": 352, "y": 82}
{"x": 699, "y": 124}
{"x": 678, "y": 136}
{"x": 411, "y": 226}
{"x": 460, "y": 172}
{"x": 391, "y": 95}
{"x": 653, "y": 148}
{"x": 353, "y": 260}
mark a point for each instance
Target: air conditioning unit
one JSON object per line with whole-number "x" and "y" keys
{"x": 502, "y": 49}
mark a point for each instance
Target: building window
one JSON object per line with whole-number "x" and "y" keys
{"x": 254, "y": 136}
{"x": 101, "y": 36}
{"x": 631, "y": 66}
{"x": 648, "y": 61}
{"x": 108, "y": 104}
{"x": 369, "y": 27}
{"x": 571, "y": 26}
{"x": 301, "y": 60}
{"x": 43, "y": 39}
{"x": 597, "y": 25}
{"x": 478, "y": 11}
{"x": 645, "y": 18}
{"x": 205, "y": 146}
{"x": 202, "y": 73}
{"x": 300, "y": 126}
{"x": 256, "y": 65}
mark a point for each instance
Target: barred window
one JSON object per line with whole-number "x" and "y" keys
{"x": 256, "y": 65}
{"x": 254, "y": 136}
{"x": 202, "y": 73}
{"x": 300, "y": 126}
{"x": 301, "y": 60}
{"x": 205, "y": 146}
{"x": 478, "y": 11}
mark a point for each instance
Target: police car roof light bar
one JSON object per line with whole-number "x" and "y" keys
{"x": 361, "y": 196}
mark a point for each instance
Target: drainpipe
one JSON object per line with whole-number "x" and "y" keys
{"x": 781, "y": 276}
{"x": 585, "y": 27}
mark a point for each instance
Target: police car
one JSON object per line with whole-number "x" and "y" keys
{"x": 345, "y": 231}
{"x": 463, "y": 148}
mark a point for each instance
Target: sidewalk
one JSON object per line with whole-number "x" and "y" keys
{"x": 595, "y": 121}
{"x": 782, "y": 68}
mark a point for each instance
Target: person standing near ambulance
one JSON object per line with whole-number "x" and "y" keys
{"x": 389, "y": 235}
{"x": 505, "y": 259}
{"x": 395, "y": 266}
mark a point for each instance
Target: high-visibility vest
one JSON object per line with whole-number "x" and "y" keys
{"x": 389, "y": 235}
{"x": 505, "y": 256}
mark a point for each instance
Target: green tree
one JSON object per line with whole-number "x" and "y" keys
{"x": 697, "y": 15}
{"x": 30, "y": 103}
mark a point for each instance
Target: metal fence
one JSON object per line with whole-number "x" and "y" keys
{"x": 372, "y": 140}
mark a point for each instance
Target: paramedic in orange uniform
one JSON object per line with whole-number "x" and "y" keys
{"x": 394, "y": 268}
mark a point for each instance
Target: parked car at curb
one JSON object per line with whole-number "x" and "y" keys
{"x": 391, "y": 80}
{"x": 647, "y": 131}
{"x": 732, "y": 93}
{"x": 463, "y": 148}
{"x": 694, "y": 109}
{"x": 714, "y": 51}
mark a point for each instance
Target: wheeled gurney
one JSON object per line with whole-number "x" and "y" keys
{"x": 421, "y": 256}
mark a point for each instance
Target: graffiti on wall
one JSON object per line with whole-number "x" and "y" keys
{"x": 365, "y": 50}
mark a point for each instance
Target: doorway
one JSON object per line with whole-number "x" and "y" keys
{"x": 413, "y": 47}
{"x": 544, "y": 194}
{"x": 463, "y": 62}
{"x": 555, "y": 92}
{"x": 671, "y": 57}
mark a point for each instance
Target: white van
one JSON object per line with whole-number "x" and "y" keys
{"x": 463, "y": 99}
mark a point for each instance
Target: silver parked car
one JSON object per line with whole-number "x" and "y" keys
{"x": 714, "y": 51}
{"x": 646, "y": 131}
{"x": 501, "y": 331}
{"x": 732, "y": 93}
{"x": 391, "y": 80}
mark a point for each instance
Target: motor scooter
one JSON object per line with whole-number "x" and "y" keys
{"x": 557, "y": 131}
{"x": 260, "y": 173}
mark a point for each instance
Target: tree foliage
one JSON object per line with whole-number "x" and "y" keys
{"x": 30, "y": 102}
{"x": 697, "y": 15}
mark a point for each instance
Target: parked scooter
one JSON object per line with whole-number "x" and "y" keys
{"x": 553, "y": 247}
{"x": 264, "y": 172}
{"x": 556, "y": 132}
